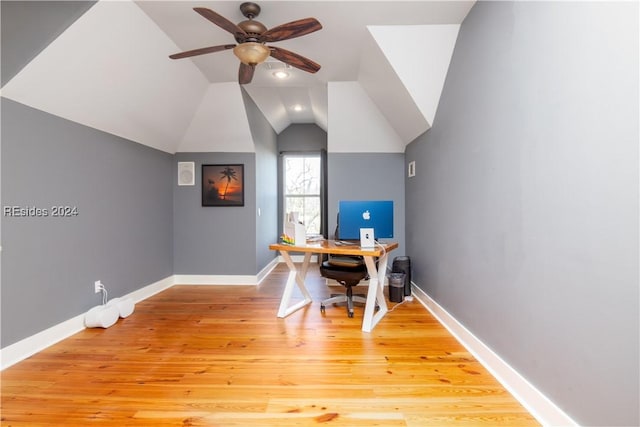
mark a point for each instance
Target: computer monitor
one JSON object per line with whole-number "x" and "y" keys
{"x": 357, "y": 214}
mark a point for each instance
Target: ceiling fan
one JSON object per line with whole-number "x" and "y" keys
{"x": 252, "y": 35}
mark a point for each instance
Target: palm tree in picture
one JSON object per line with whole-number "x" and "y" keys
{"x": 212, "y": 192}
{"x": 228, "y": 173}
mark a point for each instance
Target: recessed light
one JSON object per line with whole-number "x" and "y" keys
{"x": 280, "y": 74}
{"x": 297, "y": 107}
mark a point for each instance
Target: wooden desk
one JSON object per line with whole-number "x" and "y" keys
{"x": 376, "y": 275}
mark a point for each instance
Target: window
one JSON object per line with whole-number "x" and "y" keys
{"x": 302, "y": 189}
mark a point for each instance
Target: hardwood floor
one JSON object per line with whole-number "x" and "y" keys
{"x": 219, "y": 356}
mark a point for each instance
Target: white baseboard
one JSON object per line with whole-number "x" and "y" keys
{"x": 150, "y": 290}
{"x": 543, "y": 409}
{"x": 196, "y": 279}
{"x": 29, "y": 346}
{"x": 14, "y": 353}
{"x": 266, "y": 270}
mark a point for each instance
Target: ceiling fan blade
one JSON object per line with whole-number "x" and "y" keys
{"x": 245, "y": 73}
{"x": 294, "y": 59}
{"x": 221, "y": 22}
{"x": 202, "y": 51}
{"x": 291, "y": 30}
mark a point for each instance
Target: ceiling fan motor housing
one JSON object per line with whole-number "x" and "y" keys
{"x": 252, "y": 28}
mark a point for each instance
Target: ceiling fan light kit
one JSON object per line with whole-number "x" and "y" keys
{"x": 252, "y": 53}
{"x": 252, "y": 35}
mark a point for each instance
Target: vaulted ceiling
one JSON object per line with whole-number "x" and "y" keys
{"x": 385, "y": 60}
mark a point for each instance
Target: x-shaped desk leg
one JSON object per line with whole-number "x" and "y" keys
{"x": 295, "y": 278}
{"x": 375, "y": 293}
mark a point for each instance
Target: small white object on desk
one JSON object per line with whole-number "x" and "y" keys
{"x": 367, "y": 240}
{"x": 295, "y": 229}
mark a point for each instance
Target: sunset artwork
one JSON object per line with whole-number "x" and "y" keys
{"x": 222, "y": 185}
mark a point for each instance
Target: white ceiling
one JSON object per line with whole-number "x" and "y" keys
{"x": 387, "y": 60}
{"x": 338, "y": 47}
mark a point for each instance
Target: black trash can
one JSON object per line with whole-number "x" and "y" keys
{"x": 396, "y": 287}
{"x": 402, "y": 264}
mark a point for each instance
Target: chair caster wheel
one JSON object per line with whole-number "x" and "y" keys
{"x": 322, "y": 309}
{"x": 350, "y": 314}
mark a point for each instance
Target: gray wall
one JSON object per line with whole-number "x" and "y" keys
{"x": 299, "y": 138}
{"x": 265, "y": 140}
{"x": 212, "y": 239}
{"x": 369, "y": 176}
{"x": 121, "y": 235}
{"x": 524, "y": 209}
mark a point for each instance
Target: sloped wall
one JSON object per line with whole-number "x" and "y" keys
{"x": 119, "y": 79}
{"x": 28, "y": 27}
{"x": 356, "y": 125}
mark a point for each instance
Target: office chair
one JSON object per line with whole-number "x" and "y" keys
{"x": 348, "y": 271}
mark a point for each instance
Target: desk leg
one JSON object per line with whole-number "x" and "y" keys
{"x": 295, "y": 278}
{"x": 376, "y": 293}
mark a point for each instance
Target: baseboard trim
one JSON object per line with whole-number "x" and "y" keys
{"x": 14, "y": 353}
{"x": 216, "y": 280}
{"x": 152, "y": 289}
{"x": 29, "y": 346}
{"x": 543, "y": 409}
{"x": 540, "y": 406}
{"x": 266, "y": 270}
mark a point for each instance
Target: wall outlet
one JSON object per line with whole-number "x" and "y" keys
{"x": 97, "y": 286}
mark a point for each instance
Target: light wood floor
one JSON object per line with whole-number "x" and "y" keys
{"x": 219, "y": 356}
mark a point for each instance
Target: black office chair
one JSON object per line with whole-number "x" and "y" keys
{"x": 348, "y": 271}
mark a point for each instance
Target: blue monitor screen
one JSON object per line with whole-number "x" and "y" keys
{"x": 357, "y": 214}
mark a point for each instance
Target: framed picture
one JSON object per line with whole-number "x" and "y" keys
{"x": 222, "y": 185}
